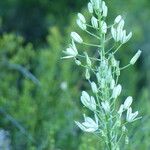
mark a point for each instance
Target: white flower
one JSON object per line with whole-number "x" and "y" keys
{"x": 118, "y": 19}
{"x": 88, "y": 101}
{"x": 94, "y": 87}
{"x": 96, "y": 4}
{"x": 94, "y": 22}
{"x": 81, "y": 24}
{"x": 106, "y": 106}
{"x": 135, "y": 57}
{"x": 128, "y": 102}
{"x": 90, "y": 7}
{"x": 81, "y": 17}
{"x": 89, "y": 125}
{"x": 71, "y": 51}
{"x": 116, "y": 91}
{"x": 76, "y": 37}
{"x": 118, "y": 33}
{"x": 105, "y": 9}
{"x": 131, "y": 116}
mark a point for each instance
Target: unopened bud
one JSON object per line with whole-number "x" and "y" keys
{"x": 94, "y": 87}
{"x": 81, "y": 17}
{"x": 81, "y": 24}
{"x": 76, "y": 37}
{"x": 116, "y": 91}
{"x": 90, "y": 7}
{"x": 106, "y": 106}
{"x": 77, "y": 62}
{"x": 94, "y": 22}
{"x": 128, "y": 102}
{"x": 135, "y": 57}
{"x": 88, "y": 61}
{"x": 105, "y": 9}
{"x": 87, "y": 74}
{"x": 118, "y": 19}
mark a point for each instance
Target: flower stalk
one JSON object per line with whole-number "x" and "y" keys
{"x": 108, "y": 123}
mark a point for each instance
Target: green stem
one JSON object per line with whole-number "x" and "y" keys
{"x": 125, "y": 67}
{"x": 89, "y": 44}
{"x": 108, "y": 133}
{"x": 92, "y": 34}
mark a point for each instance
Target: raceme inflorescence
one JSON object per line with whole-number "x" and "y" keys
{"x": 109, "y": 121}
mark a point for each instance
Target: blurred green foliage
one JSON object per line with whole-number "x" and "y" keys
{"x": 39, "y": 92}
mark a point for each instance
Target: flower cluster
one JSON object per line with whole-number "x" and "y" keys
{"x": 109, "y": 122}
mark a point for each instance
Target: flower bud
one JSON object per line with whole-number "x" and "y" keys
{"x": 105, "y": 9}
{"x": 77, "y": 62}
{"x": 90, "y": 7}
{"x": 87, "y": 74}
{"x": 81, "y": 24}
{"x": 94, "y": 87}
{"x": 118, "y": 19}
{"x": 81, "y": 17}
{"x": 116, "y": 91}
{"x": 97, "y": 4}
{"x": 94, "y": 22}
{"x": 135, "y": 57}
{"x": 88, "y": 61}
{"x": 103, "y": 27}
{"x": 88, "y": 101}
{"x": 76, "y": 37}
{"x": 128, "y": 102}
{"x": 106, "y": 106}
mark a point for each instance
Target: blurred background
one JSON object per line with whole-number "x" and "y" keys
{"x": 40, "y": 93}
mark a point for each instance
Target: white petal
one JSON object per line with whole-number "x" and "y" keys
{"x": 135, "y": 57}
{"x": 118, "y": 19}
{"x": 81, "y": 17}
{"x": 76, "y": 37}
{"x": 128, "y": 102}
{"x": 105, "y": 9}
{"x": 90, "y": 7}
{"x": 80, "y": 126}
{"x": 114, "y": 33}
{"x": 94, "y": 87}
{"x": 128, "y": 37}
{"x": 94, "y": 22}
{"x": 81, "y": 24}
